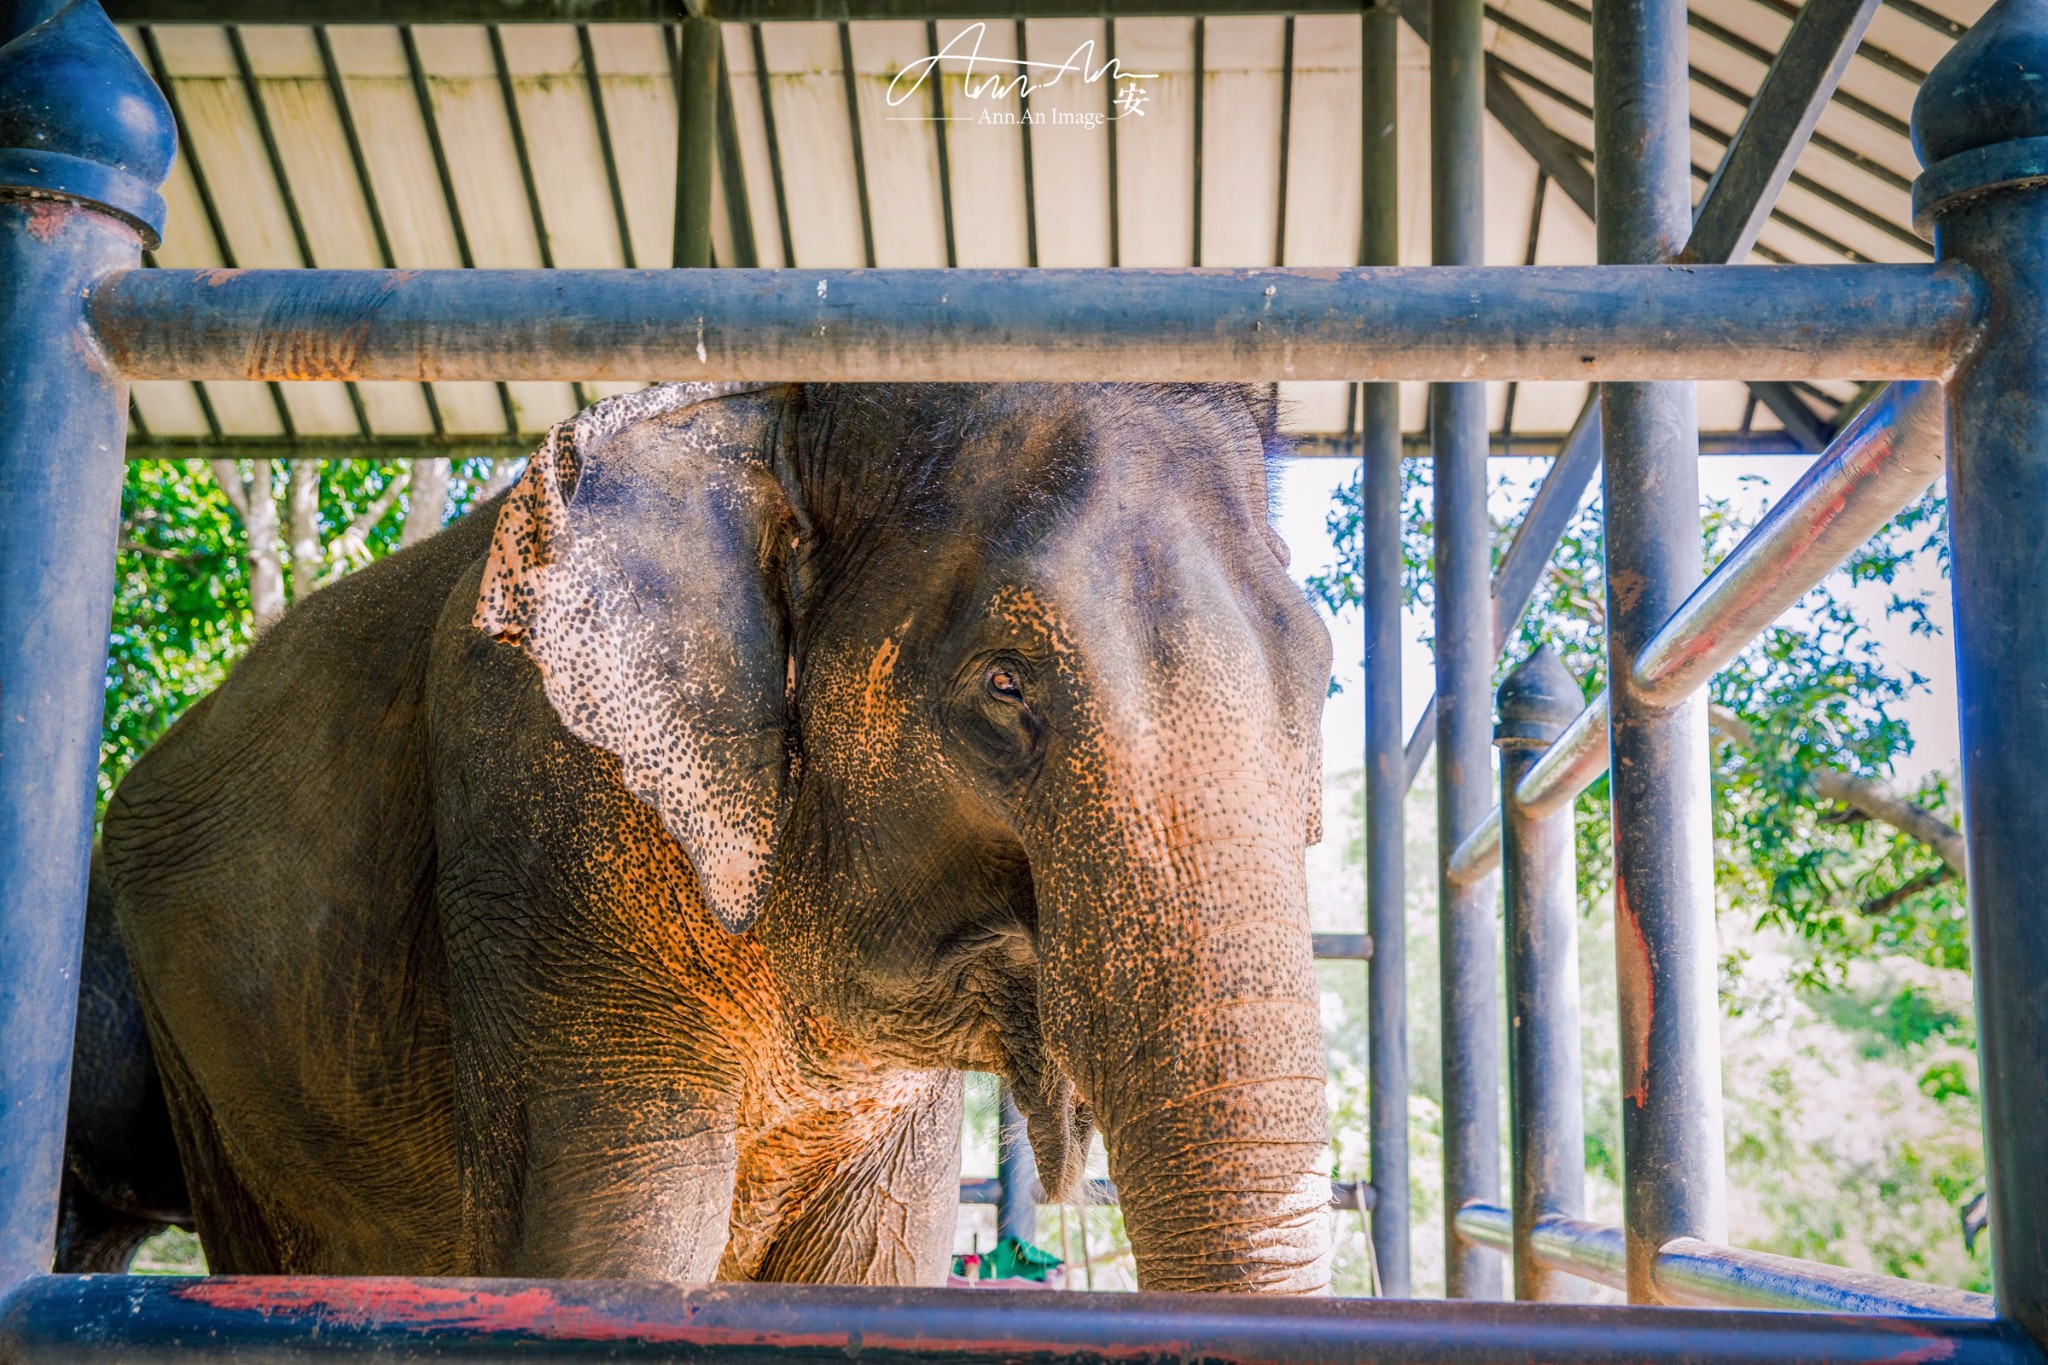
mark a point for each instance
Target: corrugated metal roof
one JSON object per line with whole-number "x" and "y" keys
{"x": 541, "y": 145}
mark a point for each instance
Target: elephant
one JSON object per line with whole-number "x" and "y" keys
{"x": 122, "y": 1181}
{"x": 617, "y": 883}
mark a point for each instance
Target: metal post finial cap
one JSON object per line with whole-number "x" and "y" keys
{"x": 1537, "y": 701}
{"x": 80, "y": 119}
{"x": 1980, "y": 121}
{"x": 1992, "y": 86}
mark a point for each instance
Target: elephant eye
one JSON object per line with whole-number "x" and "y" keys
{"x": 1003, "y": 683}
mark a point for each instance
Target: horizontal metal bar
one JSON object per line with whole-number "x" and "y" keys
{"x": 152, "y": 1320}
{"x": 497, "y": 446}
{"x": 1588, "y": 1250}
{"x": 1167, "y": 325}
{"x": 1343, "y": 947}
{"x": 1550, "y": 444}
{"x": 1694, "y": 1274}
{"x": 1883, "y": 460}
{"x": 1098, "y": 1192}
{"x": 1886, "y": 458}
{"x": 1479, "y": 854}
{"x": 1569, "y": 766}
{"x": 1095, "y": 1193}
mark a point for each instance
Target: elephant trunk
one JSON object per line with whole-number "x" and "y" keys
{"x": 1182, "y": 1000}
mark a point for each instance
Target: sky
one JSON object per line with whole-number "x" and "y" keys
{"x": 1305, "y": 495}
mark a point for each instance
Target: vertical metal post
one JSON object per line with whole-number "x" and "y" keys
{"x": 696, "y": 139}
{"x": 1981, "y": 127}
{"x": 1464, "y": 666}
{"x": 1663, "y": 854}
{"x": 1386, "y": 768}
{"x": 1016, "y": 1174}
{"x": 85, "y": 139}
{"x": 1539, "y": 876}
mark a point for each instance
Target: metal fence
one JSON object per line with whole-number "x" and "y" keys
{"x": 85, "y": 140}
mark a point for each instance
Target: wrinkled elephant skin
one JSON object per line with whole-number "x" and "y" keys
{"x": 617, "y": 883}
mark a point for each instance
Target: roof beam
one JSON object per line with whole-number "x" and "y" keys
{"x": 1759, "y": 160}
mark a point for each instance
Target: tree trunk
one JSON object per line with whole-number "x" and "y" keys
{"x": 427, "y": 507}
{"x": 303, "y": 494}
{"x": 266, "y": 559}
{"x": 503, "y": 472}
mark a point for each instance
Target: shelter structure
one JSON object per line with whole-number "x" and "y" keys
{"x": 336, "y": 258}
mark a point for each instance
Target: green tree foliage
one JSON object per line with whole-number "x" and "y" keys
{"x": 1813, "y": 695}
{"x": 182, "y": 599}
{"x": 181, "y": 606}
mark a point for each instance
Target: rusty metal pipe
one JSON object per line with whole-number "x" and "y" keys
{"x": 1172, "y": 326}
{"x": 1386, "y": 779}
{"x": 146, "y": 1320}
{"x": 1660, "y": 795}
{"x": 696, "y": 138}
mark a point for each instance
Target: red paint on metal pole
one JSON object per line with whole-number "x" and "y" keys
{"x": 1633, "y": 965}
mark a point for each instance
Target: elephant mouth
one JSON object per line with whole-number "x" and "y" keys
{"x": 1057, "y": 1119}
{"x": 1058, "y": 1122}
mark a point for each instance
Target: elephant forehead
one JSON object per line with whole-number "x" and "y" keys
{"x": 1033, "y": 614}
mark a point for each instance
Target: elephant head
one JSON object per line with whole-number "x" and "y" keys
{"x": 993, "y": 712}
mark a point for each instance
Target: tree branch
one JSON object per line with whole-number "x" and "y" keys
{"x": 1912, "y": 886}
{"x": 356, "y": 537}
{"x": 428, "y": 506}
{"x": 1873, "y": 799}
{"x": 136, "y": 547}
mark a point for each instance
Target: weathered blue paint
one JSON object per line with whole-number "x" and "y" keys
{"x": 1386, "y": 780}
{"x": 1540, "y": 916}
{"x": 1016, "y": 1173}
{"x": 98, "y": 1319}
{"x": 1979, "y": 125}
{"x": 78, "y": 120}
{"x": 1468, "y": 947}
{"x": 63, "y": 420}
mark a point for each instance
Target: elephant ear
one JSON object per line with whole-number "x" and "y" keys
{"x": 637, "y": 562}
